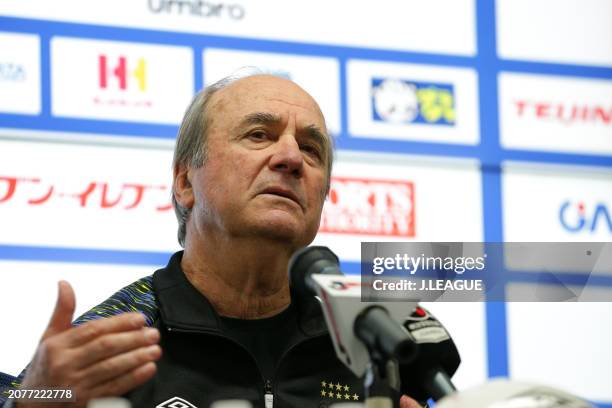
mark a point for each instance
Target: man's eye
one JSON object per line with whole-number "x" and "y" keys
{"x": 258, "y": 135}
{"x": 312, "y": 150}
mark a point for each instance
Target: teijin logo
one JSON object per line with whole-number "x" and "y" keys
{"x": 199, "y": 8}
{"x": 564, "y": 112}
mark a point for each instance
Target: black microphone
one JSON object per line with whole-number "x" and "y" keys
{"x": 372, "y": 324}
{"x": 428, "y": 356}
{"x": 428, "y": 375}
{"x": 308, "y": 261}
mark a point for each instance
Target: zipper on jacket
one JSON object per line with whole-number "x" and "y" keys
{"x": 268, "y": 389}
{"x": 280, "y": 363}
{"x": 268, "y": 395}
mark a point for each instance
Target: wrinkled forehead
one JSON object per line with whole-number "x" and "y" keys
{"x": 266, "y": 93}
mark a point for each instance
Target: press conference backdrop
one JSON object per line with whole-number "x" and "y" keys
{"x": 455, "y": 120}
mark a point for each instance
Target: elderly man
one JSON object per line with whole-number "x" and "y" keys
{"x": 252, "y": 168}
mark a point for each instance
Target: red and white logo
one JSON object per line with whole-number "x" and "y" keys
{"x": 126, "y": 75}
{"x": 97, "y": 198}
{"x": 565, "y": 112}
{"x": 559, "y": 114}
{"x": 120, "y": 81}
{"x": 369, "y": 207}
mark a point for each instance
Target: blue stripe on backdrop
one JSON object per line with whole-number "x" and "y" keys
{"x": 497, "y": 331}
{"x": 343, "y": 104}
{"x": 45, "y": 77}
{"x": 121, "y": 257}
{"x": 76, "y": 255}
{"x": 85, "y": 126}
{"x": 565, "y": 278}
{"x": 555, "y": 69}
{"x": 198, "y": 70}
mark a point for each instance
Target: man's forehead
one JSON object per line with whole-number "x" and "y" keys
{"x": 266, "y": 93}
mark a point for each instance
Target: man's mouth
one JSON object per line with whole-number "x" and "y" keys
{"x": 282, "y": 192}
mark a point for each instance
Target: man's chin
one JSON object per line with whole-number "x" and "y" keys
{"x": 284, "y": 229}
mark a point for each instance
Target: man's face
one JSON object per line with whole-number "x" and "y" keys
{"x": 266, "y": 168}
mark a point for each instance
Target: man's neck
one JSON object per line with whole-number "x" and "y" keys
{"x": 240, "y": 278}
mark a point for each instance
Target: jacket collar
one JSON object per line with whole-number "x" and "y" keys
{"x": 182, "y": 306}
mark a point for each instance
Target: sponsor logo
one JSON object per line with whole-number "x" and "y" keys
{"x": 119, "y": 72}
{"x": 566, "y": 113}
{"x": 120, "y": 80}
{"x": 401, "y": 101}
{"x": 95, "y": 194}
{"x": 176, "y": 402}
{"x": 123, "y": 74}
{"x": 369, "y": 207}
{"x": 576, "y": 217}
{"x": 198, "y": 8}
{"x": 424, "y": 327}
{"x": 12, "y": 72}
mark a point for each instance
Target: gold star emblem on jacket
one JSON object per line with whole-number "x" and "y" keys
{"x": 335, "y": 390}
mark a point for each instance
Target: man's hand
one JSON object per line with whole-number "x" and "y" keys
{"x": 105, "y": 357}
{"x": 407, "y": 402}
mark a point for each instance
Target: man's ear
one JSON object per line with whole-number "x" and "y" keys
{"x": 183, "y": 191}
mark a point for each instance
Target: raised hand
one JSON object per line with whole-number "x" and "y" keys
{"x": 104, "y": 357}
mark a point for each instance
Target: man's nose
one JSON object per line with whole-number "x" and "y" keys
{"x": 287, "y": 156}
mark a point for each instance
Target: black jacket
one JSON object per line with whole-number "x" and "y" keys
{"x": 201, "y": 364}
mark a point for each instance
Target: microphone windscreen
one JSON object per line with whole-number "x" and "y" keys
{"x": 310, "y": 260}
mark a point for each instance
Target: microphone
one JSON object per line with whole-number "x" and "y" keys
{"x": 308, "y": 261}
{"x": 368, "y": 337}
{"x": 345, "y": 314}
{"x": 426, "y": 354}
{"x": 428, "y": 375}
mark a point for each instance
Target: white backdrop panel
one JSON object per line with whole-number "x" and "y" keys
{"x": 19, "y": 73}
{"x": 549, "y": 113}
{"x": 556, "y": 203}
{"x": 566, "y": 345}
{"x": 563, "y": 31}
{"x": 85, "y": 196}
{"x": 28, "y": 294}
{"x": 119, "y": 80}
{"x": 405, "y": 25}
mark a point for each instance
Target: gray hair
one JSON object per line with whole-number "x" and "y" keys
{"x": 191, "y": 148}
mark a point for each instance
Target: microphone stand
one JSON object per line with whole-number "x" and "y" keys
{"x": 387, "y": 344}
{"x": 381, "y": 383}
